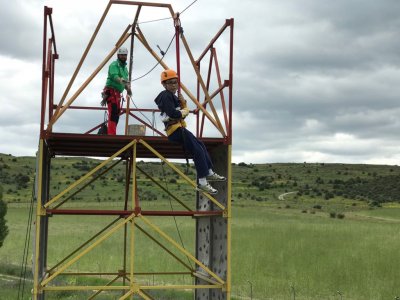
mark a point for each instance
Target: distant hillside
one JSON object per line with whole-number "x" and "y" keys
{"x": 373, "y": 184}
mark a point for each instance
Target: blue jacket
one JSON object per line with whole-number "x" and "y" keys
{"x": 169, "y": 105}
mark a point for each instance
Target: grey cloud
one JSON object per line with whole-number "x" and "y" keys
{"x": 21, "y": 30}
{"x": 313, "y": 80}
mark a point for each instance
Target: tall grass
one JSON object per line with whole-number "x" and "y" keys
{"x": 278, "y": 252}
{"x": 284, "y": 251}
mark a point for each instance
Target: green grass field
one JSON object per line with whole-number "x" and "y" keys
{"x": 282, "y": 253}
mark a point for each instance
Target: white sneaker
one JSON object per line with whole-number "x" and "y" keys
{"x": 207, "y": 188}
{"x": 216, "y": 177}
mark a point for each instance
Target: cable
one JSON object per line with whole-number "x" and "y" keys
{"x": 162, "y": 53}
{"x": 22, "y": 275}
{"x": 141, "y": 112}
{"x": 172, "y": 209}
{"x": 188, "y": 6}
{"x": 156, "y": 20}
{"x": 163, "y": 19}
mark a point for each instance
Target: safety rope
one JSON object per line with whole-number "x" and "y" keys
{"x": 22, "y": 275}
{"x": 188, "y": 6}
{"x": 148, "y": 120}
{"x": 158, "y": 62}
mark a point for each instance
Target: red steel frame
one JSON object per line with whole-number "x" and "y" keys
{"x": 48, "y": 80}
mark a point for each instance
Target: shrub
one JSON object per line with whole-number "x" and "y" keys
{"x": 3, "y": 225}
{"x": 21, "y": 181}
{"x": 332, "y": 214}
{"x": 340, "y": 216}
{"x": 375, "y": 204}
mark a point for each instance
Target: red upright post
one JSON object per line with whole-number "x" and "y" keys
{"x": 46, "y": 12}
{"x": 178, "y": 58}
{"x": 230, "y": 81}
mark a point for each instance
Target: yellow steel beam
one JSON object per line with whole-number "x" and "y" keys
{"x": 89, "y": 273}
{"x": 203, "y": 86}
{"x": 164, "y": 189}
{"x": 144, "y": 42}
{"x": 86, "y": 184}
{"x": 145, "y": 295}
{"x": 134, "y": 289}
{"x": 82, "y": 59}
{"x": 132, "y": 249}
{"x": 125, "y": 296}
{"x": 122, "y": 40}
{"x": 126, "y": 287}
{"x": 191, "y": 182}
{"x": 83, "y": 178}
{"x": 87, "y": 250}
{"x": 81, "y": 246}
{"x": 180, "y": 248}
{"x": 122, "y": 273}
{"x": 132, "y": 237}
{"x": 202, "y": 277}
{"x": 36, "y": 286}
{"x": 229, "y": 224}
{"x": 86, "y": 287}
{"x": 162, "y": 246}
{"x": 221, "y": 92}
{"x": 99, "y": 291}
{"x": 181, "y": 287}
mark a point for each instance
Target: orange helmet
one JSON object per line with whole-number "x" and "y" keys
{"x": 168, "y": 74}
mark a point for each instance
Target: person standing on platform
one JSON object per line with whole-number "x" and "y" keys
{"x": 117, "y": 82}
{"x": 173, "y": 112}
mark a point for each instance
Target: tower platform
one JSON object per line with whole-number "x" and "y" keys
{"x": 92, "y": 145}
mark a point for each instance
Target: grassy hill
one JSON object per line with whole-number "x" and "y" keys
{"x": 307, "y": 185}
{"x": 289, "y": 236}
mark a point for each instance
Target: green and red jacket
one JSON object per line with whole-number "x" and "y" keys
{"x": 116, "y": 70}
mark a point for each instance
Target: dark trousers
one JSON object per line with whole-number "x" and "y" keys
{"x": 196, "y": 148}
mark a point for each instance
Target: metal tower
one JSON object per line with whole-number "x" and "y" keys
{"x": 205, "y": 266}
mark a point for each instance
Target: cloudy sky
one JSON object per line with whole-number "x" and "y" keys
{"x": 315, "y": 81}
